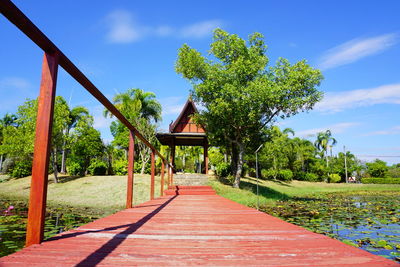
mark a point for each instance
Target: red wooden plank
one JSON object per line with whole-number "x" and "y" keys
{"x": 186, "y": 230}
{"x": 131, "y": 162}
{"x": 162, "y": 178}
{"x": 152, "y": 174}
{"x": 40, "y": 165}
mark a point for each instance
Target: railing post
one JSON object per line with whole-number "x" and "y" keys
{"x": 131, "y": 162}
{"x": 40, "y": 164}
{"x": 152, "y": 174}
{"x": 162, "y": 178}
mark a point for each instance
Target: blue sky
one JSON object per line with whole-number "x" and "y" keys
{"x": 133, "y": 44}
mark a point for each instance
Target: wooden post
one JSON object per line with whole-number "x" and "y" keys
{"x": 152, "y": 174}
{"x": 40, "y": 165}
{"x": 162, "y": 178}
{"x": 206, "y": 158}
{"x": 131, "y": 162}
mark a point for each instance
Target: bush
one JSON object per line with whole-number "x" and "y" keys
{"x": 121, "y": 167}
{"x": 334, "y": 178}
{"x": 268, "y": 174}
{"x": 285, "y": 175}
{"x": 75, "y": 168}
{"x": 300, "y": 175}
{"x": 380, "y": 180}
{"x": 21, "y": 169}
{"x": 311, "y": 177}
{"x": 223, "y": 169}
{"x": 97, "y": 167}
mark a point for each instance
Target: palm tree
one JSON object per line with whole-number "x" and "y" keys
{"x": 75, "y": 115}
{"x": 324, "y": 142}
{"x": 136, "y": 103}
{"x": 140, "y": 108}
{"x": 7, "y": 120}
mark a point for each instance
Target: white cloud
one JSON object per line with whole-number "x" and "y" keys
{"x": 334, "y": 128}
{"x": 391, "y": 131}
{"x": 172, "y": 105}
{"x": 356, "y": 49}
{"x": 200, "y": 29}
{"x": 335, "y": 102}
{"x": 122, "y": 28}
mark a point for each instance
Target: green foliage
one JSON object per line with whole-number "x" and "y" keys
{"x": 21, "y": 169}
{"x": 241, "y": 96}
{"x": 378, "y": 168}
{"x": 394, "y": 172}
{"x": 334, "y": 178}
{"x": 121, "y": 167}
{"x": 268, "y": 174}
{"x": 285, "y": 175}
{"x": 215, "y": 156}
{"x": 380, "y": 180}
{"x": 75, "y": 168}
{"x": 271, "y": 174}
{"x": 311, "y": 177}
{"x": 223, "y": 169}
{"x": 97, "y": 167}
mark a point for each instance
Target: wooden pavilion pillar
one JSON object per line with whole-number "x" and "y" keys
{"x": 40, "y": 165}
{"x": 205, "y": 157}
{"x": 131, "y": 162}
{"x": 162, "y": 178}
{"x": 172, "y": 160}
{"x": 152, "y": 174}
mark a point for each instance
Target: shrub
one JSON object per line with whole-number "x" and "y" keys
{"x": 311, "y": 177}
{"x": 334, "y": 178}
{"x": 97, "y": 167}
{"x": 285, "y": 175}
{"x": 223, "y": 169}
{"x": 268, "y": 174}
{"x": 300, "y": 175}
{"x": 21, "y": 169}
{"x": 380, "y": 180}
{"x": 121, "y": 167}
{"x": 75, "y": 168}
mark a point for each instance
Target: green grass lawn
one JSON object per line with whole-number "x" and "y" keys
{"x": 272, "y": 191}
{"x": 100, "y": 195}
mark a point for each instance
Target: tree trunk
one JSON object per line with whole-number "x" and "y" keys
{"x": 1, "y": 162}
{"x": 64, "y": 154}
{"x": 239, "y": 165}
{"x": 234, "y": 159}
{"x": 54, "y": 154}
{"x": 63, "y": 159}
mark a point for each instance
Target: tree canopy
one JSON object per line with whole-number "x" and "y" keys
{"x": 241, "y": 96}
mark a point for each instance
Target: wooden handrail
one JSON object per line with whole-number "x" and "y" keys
{"x": 22, "y": 22}
{"x": 53, "y": 58}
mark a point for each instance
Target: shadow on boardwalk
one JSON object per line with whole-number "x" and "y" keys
{"x": 101, "y": 253}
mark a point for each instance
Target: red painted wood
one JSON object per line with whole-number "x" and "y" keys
{"x": 131, "y": 162}
{"x": 206, "y": 158}
{"x": 162, "y": 178}
{"x": 153, "y": 171}
{"x": 188, "y": 230}
{"x": 40, "y": 165}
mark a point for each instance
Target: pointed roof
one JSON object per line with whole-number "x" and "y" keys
{"x": 189, "y": 103}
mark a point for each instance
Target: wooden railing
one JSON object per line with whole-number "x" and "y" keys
{"x": 54, "y": 57}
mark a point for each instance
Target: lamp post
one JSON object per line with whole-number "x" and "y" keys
{"x": 258, "y": 200}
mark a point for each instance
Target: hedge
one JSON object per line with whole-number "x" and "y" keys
{"x": 380, "y": 180}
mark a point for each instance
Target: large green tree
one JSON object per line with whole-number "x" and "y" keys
{"x": 240, "y": 95}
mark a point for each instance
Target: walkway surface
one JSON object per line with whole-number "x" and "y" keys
{"x": 188, "y": 229}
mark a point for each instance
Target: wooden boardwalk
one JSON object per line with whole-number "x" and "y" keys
{"x": 195, "y": 227}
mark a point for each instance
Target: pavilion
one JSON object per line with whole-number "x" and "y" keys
{"x": 185, "y": 132}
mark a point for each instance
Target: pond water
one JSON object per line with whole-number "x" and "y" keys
{"x": 13, "y": 218}
{"x": 370, "y": 222}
